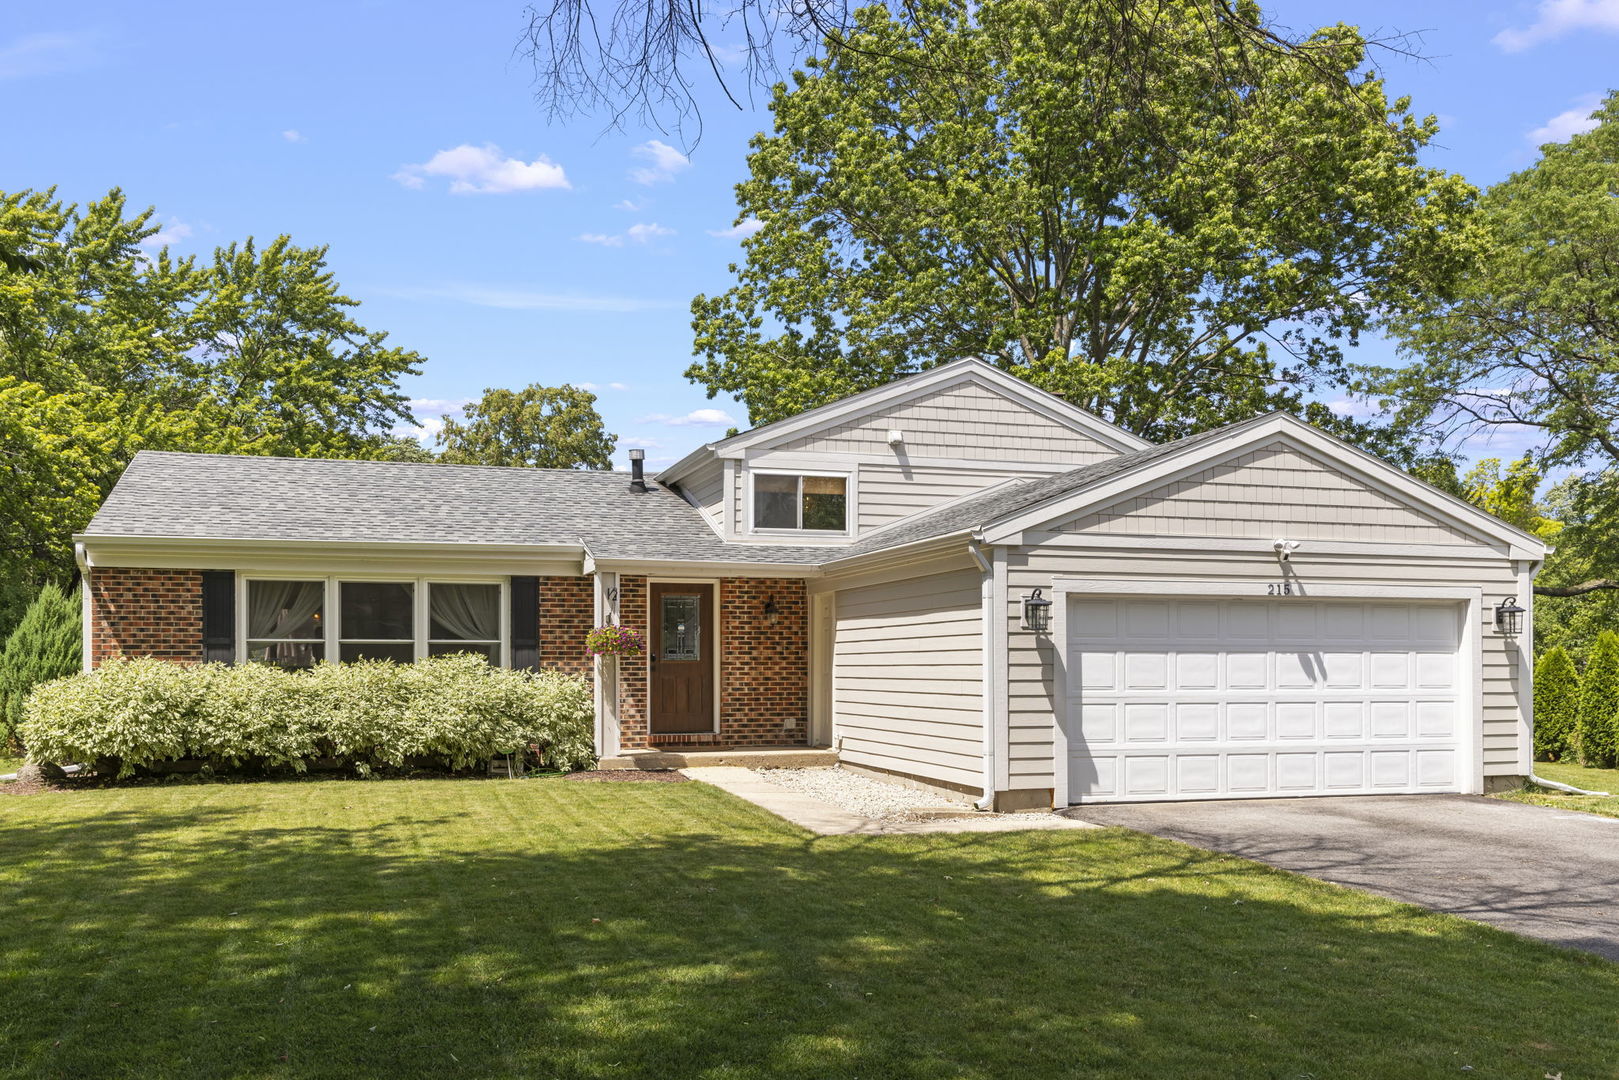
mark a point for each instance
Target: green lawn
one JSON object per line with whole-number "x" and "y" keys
{"x": 550, "y": 928}
{"x": 1577, "y": 776}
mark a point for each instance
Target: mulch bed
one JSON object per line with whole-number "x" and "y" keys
{"x": 653, "y": 776}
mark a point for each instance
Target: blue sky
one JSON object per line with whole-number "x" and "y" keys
{"x": 509, "y": 250}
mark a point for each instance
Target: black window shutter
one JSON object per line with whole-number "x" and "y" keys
{"x": 219, "y": 616}
{"x": 525, "y": 620}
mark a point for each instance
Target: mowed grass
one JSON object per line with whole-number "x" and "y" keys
{"x": 1576, "y": 776}
{"x": 547, "y": 928}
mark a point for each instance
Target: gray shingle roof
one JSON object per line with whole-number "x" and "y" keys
{"x": 220, "y": 496}
{"x": 230, "y": 497}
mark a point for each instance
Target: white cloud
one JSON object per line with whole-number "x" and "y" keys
{"x": 633, "y": 206}
{"x": 484, "y": 170}
{"x": 641, "y": 233}
{"x": 509, "y": 299}
{"x": 1555, "y": 18}
{"x": 593, "y": 387}
{"x": 430, "y": 414}
{"x": 646, "y": 232}
{"x": 695, "y": 418}
{"x": 618, "y": 386}
{"x": 1568, "y": 123}
{"x": 740, "y": 231}
{"x": 47, "y": 54}
{"x": 663, "y": 162}
{"x": 294, "y": 135}
{"x": 172, "y": 232}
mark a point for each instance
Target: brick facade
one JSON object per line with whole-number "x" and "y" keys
{"x": 155, "y": 613}
{"x": 567, "y": 613}
{"x": 764, "y": 666}
{"x": 632, "y": 670}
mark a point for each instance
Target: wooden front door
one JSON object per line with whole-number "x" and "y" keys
{"x": 682, "y": 658}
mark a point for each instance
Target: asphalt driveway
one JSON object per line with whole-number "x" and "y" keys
{"x": 1544, "y": 873}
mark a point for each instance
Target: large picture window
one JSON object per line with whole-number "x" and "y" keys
{"x": 378, "y": 621}
{"x": 800, "y": 502}
{"x": 299, "y": 623}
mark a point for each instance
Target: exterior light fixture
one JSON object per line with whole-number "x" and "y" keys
{"x": 1036, "y": 613}
{"x": 771, "y": 612}
{"x": 1509, "y": 617}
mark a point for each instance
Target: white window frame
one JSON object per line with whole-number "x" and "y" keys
{"x": 848, "y": 503}
{"x": 420, "y": 611}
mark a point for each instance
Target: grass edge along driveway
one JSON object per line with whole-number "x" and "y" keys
{"x": 1576, "y": 776}
{"x": 549, "y": 928}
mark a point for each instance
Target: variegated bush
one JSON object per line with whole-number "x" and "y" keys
{"x": 455, "y": 711}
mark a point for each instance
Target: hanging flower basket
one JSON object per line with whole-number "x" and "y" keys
{"x": 612, "y": 640}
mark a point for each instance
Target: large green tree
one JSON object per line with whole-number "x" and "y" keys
{"x": 984, "y": 179}
{"x": 1528, "y": 341}
{"x": 543, "y": 427}
{"x": 107, "y": 347}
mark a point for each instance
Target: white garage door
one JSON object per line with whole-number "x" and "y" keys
{"x": 1207, "y": 699}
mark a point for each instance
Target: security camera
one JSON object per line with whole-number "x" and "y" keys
{"x": 1285, "y": 549}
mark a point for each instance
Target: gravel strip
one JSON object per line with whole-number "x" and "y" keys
{"x": 858, "y": 794}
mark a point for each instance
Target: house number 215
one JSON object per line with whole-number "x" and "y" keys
{"x": 1279, "y": 588}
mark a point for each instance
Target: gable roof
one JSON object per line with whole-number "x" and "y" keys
{"x": 205, "y": 497}
{"x": 968, "y": 370}
{"x": 231, "y": 497}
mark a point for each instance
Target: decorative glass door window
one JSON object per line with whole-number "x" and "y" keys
{"x": 464, "y": 618}
{"x": 284, "y": 622}
{"x": 378, "y": 621}
{"x": 803, "y": 503}
{"x": 682, "y": 623}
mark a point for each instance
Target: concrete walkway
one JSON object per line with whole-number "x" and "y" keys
{"x": 1545, "y": 873}
{"x": 820, "y": 816}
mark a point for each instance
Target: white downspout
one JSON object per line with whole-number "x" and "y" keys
{"x": 987, "y": 604}
{"x": 1527, "y": 674}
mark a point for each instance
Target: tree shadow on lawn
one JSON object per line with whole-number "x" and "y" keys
{"x": 543, "y": 929}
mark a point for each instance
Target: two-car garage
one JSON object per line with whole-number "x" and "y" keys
{"x": 1204, "y": 698}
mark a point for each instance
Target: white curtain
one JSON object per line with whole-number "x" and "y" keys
{"x": 281, "y": 609}
{"x": 465, "y": 612}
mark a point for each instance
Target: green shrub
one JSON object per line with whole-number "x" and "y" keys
{"x": 47, "y": 644}
{"x": 1599, "y": 702}
{"x": 455, "y": 711}
{"x": 1557, "y": 705}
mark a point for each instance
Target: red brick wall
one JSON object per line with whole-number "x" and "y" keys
{"x": 632, "y": 670}
{"x": 145, "y": 613}
{"x": 764, "y": 667}
{"x": 567, "y": 613}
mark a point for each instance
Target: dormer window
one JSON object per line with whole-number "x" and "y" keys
{"x": 800, "y": 502}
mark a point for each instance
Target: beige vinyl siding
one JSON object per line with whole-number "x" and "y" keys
{"x": 962, "y": 421}
{"x": 706, "y": 486}
{"x": 887, "y": 493}
{"x": 1277, "y": 485}
{"x": 1030, "y": 711}
{"x": 907, "y": 682}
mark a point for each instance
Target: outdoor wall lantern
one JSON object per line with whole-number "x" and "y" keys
{"x": 1036, "y": 613}
{"x": 771, "y": 612}
{"x": 1509, "y": 617}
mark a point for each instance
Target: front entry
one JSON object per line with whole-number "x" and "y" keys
{"x": 681, "y": 661}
